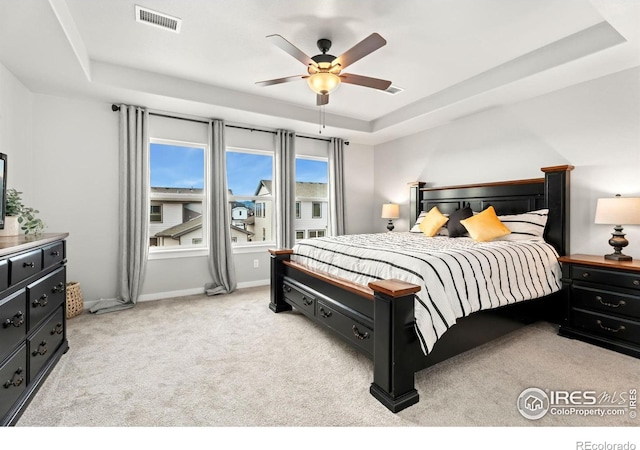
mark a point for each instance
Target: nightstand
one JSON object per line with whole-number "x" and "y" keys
{"x": 603, "y": 302}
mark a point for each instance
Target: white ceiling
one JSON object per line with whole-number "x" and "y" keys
{"x": 452, "y": 57}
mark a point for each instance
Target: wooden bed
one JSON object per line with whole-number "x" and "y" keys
{"x": 379, "y": 318}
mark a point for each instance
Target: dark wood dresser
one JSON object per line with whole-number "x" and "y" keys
{"x": 32, "y": 317}
{"x": 603, "y": 302}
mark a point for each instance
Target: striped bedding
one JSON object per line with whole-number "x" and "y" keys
{"x": 457, "y": 276}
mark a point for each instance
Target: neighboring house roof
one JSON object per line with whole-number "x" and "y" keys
{"x": 182, "y": 228}
{"x": 242, "y": 230}
{"x": 304, "y": 189}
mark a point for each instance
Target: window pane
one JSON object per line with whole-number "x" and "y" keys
{"x": 177, "y": 182}
{"x": 311, "y": 197}
{"x": 249, "y": 177}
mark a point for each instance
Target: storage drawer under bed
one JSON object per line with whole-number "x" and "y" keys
{"x": 354, "y": 331}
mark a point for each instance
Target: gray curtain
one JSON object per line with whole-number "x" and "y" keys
{"x": 133, "y": 243}
{"x": 220, "y": 252}
{"x": 336, "y": 187}
{"x": 285, "y": 188}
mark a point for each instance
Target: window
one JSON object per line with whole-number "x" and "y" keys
{"x": 316, "y": 233}
{"x": 249, "y": 179}
{"x": 177, "y": 194}
{"x": 312, "y": 196}
{"x": 299, "y": 234}
{"x": 316, "y": 210}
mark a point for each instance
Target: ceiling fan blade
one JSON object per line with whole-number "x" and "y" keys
{"x": 291, "y": 49}
{"x": 322, "y": 99}
{"x": 368, "y": 45}
{"x": 361, "y": 80}
{"x": 281, "y": 80}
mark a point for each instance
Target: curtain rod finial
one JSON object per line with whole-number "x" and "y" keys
{"x": 115, "y": 108}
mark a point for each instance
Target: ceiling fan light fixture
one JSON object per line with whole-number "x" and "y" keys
{"x": 323, "y": 82}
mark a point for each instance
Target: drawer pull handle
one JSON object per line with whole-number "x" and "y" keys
{"x": 307, "y": 301}
{"x": 611, "y": 305}
{"x": 58, "y": 329}
{"x": 29, "y": 264}
{"x": 16, "y": 380}
{"x": 42, "y": 349}
{"x": 325, "y": 314}
{"x": 16, "y": 321}
{"x": 286, "y": 288}
{"x": 55, "y": 253}
{"x": 612, "y": 330}
{"x": 42, "y": 301}
{"x": 585, "y": 274}
{"x": 636, "y": 282}
{"x": 58, "y": 288}
{"x": 358, "y": 334}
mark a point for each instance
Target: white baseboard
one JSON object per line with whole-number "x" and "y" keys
{"x": 183, "y": 292}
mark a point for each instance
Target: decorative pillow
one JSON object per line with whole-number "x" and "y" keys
{"x": 432, "y": 222}
{"x": 485, "y": 226}
{"x": 416, "y": 227}
{"x": 526, "y": 226}
{"x": 455, "y": 228}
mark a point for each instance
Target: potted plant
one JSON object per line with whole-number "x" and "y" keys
{"x": 19, "y": 218}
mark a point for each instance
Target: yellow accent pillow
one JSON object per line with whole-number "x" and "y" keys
{"x": 485, "y": 226}
{"x": 433, "y": 221}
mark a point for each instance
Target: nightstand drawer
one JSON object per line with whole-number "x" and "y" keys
{"x": 605, "y": 325}
{"x": 609, "y": 302}
{"x": 607, "y": 277}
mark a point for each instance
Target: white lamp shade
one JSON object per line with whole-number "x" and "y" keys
{"x": 618, "y": 211}
{"x": 390, "y": 211}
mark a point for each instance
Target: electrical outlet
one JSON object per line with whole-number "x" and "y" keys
{"x": 256, "y": 263}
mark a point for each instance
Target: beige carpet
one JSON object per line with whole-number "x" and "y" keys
{"x": 229, "y": 361}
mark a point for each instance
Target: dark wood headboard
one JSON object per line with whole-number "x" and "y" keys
{"x": 507, "y": 197}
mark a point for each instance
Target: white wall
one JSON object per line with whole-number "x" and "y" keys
{"x": 594, "y": 126}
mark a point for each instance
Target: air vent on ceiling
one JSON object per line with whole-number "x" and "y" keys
{"x": 393, "y": 90}
{"x": 157, "y": 19}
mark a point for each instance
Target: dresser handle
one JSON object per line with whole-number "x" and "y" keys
{"x": 58, "y": 329}
{"x": 612, "y": 330}
{"x": 42, "y": 349}
{"x": 610, "y": 305}
{"x": 58, "y": 288}
{"x": 30, "y": 264}
{"x": 585, "y": 274}
{"x": 55, "y": 253}
{"x": 306, "y": 301}
{"x": 325, "y": 314}
{"x": 16, "y": 321}
{"x": 636, "y": 282}
{"x": 16, "y": 380}
{"x": 42, "y": 301}
{"x": 358, "y": 335}
{"x": 286, "y": 288}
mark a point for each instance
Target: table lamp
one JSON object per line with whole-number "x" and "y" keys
{"x": 618, "y": 211}
{"x": 390, "y": 211}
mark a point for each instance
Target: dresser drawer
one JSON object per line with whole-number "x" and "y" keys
{"x": 605, "y": 325}
{"x": 606, "y": 277}
{"x": 43, "y": 344}
{"x": 45, "y": 295}
{"x": 52, "y": 254}
{"x": 302, "y": 299}
{"x": 13, "y": 321}
{"x": 355, "y": 332}
{"x": 13, "y": 379}
{"x": 616, "y": 303}
{"x": 23, "y": 266}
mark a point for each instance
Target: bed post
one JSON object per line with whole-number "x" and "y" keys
{"x": 393, "y": 365}
{"x": 277, "y": 303}
{"x": 556, "y": 186}
{"x": 415, "y": 205}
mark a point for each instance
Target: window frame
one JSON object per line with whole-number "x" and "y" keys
{"x": 185, "y": 251}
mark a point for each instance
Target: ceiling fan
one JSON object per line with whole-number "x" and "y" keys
{"x": 325, "y": 70}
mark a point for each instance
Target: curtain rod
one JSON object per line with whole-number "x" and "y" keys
{"x": 159, "y": 114}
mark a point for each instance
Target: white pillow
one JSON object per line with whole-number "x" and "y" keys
{"x": 526, "y": 226}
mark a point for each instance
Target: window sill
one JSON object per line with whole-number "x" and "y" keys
{"x": 253, "y": 248}
{"x": 177, "y": 253}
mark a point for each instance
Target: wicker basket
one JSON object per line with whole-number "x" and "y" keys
{"x": 74, "y": 299}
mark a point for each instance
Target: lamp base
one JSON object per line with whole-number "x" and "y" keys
{"x": 618, "y": 257}
{"x": 390, "y": 226}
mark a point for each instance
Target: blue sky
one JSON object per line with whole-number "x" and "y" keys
{"x": 177, "y": 166}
